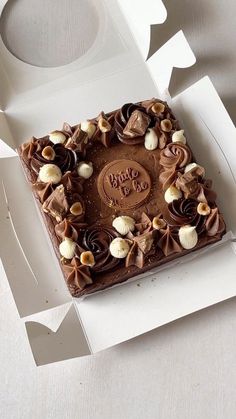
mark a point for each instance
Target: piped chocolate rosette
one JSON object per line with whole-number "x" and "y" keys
{"x": 158, "y": 208}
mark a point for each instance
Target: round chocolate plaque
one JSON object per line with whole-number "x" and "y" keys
{"x": 123, "y": 184}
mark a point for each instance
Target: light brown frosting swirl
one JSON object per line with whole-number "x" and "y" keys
{"x": 168, "y": 243}
{"x": 214, "y": 223}
{"x": 43, "y": 190}
{"x": 77, "y": 275}
{"x": 71, "y": 228}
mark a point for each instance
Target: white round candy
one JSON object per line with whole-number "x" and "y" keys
{"x": 67, "y": 248}
{"x": 119, "y": 248}
{"x": 57, "y": 137}
{"x": 50, "y": 173}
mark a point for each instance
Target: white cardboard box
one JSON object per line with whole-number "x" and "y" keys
{"x": 36, "y": 100}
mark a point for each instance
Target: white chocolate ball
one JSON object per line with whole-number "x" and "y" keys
{"x": 188, "y": 236}
{"x": 191, "y": 166}
{"x": 85, "y": 170}
{"x": 57, "y": 137}
{"x": 50, "y": 173}
{"x": 67, "y": 248}
{"x": 150, "y": 139}
{"x": 88, "y": 127}
{"x": 123, "y": 224}
{"x": 119, "y": 248}
{"x": 172, "y": 193}
{"x": 178, "y": 137}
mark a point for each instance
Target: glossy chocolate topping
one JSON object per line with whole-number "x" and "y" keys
{"x": 97, "y": 239}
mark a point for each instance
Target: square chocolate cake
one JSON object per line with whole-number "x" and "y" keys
{"x": 121, "y": 194}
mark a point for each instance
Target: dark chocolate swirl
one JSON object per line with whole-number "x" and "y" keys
{"x": 184, "y": 211}
{"x": 65, "y": 158}
{"x": 77, "y": 276}
{"x": 97, "y": 239}
{"x": 135, "y": 132}
{"x": 175, "y": 155}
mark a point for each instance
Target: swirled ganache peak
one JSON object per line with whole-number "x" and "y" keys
{"x": 120, "y": 194}
{"x": 131, "y": 123}
{"x": 64, "y": 158}
{"x": 184, "y": 211}
{"x": 175, "y": 155}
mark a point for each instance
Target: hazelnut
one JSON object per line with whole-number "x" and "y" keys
{"x": 87, "y": 258}
{"x": 166, "y": 125}
{"x": 158, "y": 223}
{"x": 158, "y": 108}
{"x": 88, "y": 127}
{"x": 203, "y": 208}
{"x": 104, "y": 125}
{"x": 76, "y": 208}
{"x": 48, "y": 153}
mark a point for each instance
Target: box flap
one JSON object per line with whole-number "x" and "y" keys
{"x": 5, "y": 137}
{"x": 44, "y": 285}
{"x": 140, "y": 18}
{"x": 67, "y": 342}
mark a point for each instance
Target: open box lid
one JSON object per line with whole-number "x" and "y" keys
{"x": 59, "y": 327}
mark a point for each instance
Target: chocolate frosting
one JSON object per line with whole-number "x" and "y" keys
{"x": 135, "y": 256}
{"x": 167, "y": 241}
{"x": 35, "y": 145}
{"x": 43, "y": 190}
{"x": 72, "y": 182}
{"x": 184, "y": 211}
{"x": 64, "y": 158}
{"x": 141, "y": 243}
{"x": 168, "y": 178}
{"x": 78, "y": 141}
{"x": 130, "y": 185}
{"x": 215, "y": 223}
{"x": 71, "y": 228}
{"x": 145, "y": 224}
{"x": 77, "y": 275}
{"x": 131, "y": 123}
{"x": 193, "y": 186}
{"x": 188, "y": 182}
{"x": 97, "y": 239}
{"x": 175, "y": 156}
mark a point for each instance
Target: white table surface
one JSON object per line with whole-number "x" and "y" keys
{"x": 185, "y": 370}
